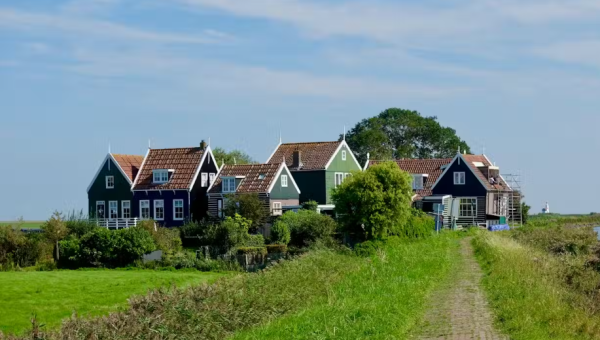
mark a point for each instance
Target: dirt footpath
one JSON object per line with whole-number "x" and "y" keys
{"x": 458, "y": 309}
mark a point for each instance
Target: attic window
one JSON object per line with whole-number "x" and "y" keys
{"x": 229, "y": 184}
{"x": 343, "y": 155}
{"x": 261, "y": 176}
{"x": 160, "y": 176}
{"x": 478, "y": 164}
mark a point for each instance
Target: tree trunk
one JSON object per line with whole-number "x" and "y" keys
{"x": 57, "y": 251}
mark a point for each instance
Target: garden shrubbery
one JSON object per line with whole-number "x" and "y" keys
{"x": 306, "y": 227}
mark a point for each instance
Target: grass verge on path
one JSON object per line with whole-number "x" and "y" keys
{"x": 384, "y": 299}
{"x": 530, "y": 300}
{"x": 54, "y": 295}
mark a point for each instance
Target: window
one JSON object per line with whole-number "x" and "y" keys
{"x": 145, "y": 210}
{"x": 229, "y": 184}
{"x": 204, "y": 177}
{"x": 212, "y": 178}
{"x": 125, "y": 209}
{"x": 178, "y": 210}
{"x": 468, "y": 207}
{"x": 160, "y": 176}
{"x": 343, "y": 155}
{"x": 417, "y": 182}
{"x": 277, "y": 209}
{"x": 459, "y": 178}
{"x": 159, "y": 210}
{"x": 113, "y": 209}
{"x": 110, "y": 182}
{"x": 339, "y": 178}
{"x": 100, "y": 209}
{"x": 220, "y": 208}
{"x": 346, "y": 175}
{"x": 284, "y": 181}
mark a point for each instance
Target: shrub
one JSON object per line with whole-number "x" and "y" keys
{"x": 167, "y": 240}
{"x": 130, "y": 245}
{"x": 18, "y": 249}
{"x": 369, "y": 248}
{"x": 280, "y": 233}
{"x": 252, "y": 250}
{"x": 276, "y": 248}
{"x": 418, "y": 226}
{"x": 248, "y": 206}
{"x": 70, "y": 256}
{"x": 10, "y": 241}
{"x": 374, "y": 203}
{"x": 97, "y": 247}
{"x": 558, "y": 240}
{"x": 55, "y": 229}
{"x": 310, "y": 205}
{"x": 306, "y": 227}
{"x": 255, "y": 241}
{"x": 79, "y": 226}
{"x": 229, "y": 234}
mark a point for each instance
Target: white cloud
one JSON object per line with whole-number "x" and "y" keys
{"x": 575, "y": 52}
{"x": 44, "y": 24}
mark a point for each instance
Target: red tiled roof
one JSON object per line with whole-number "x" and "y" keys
{"x": 129, "y": 163}
{"x": 184, "y": 161}
{"x": 501, "y": 185}
{"x": 432, "y": 167}
{"x": 251, "y": 183}
{"x": 314, "y": 155}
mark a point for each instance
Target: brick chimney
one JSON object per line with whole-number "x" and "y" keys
{"x": 203, "y": 145}
{"x": 297, "y": 159}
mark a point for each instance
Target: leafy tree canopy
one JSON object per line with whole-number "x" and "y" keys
{"x": 375, "y": 203}
{"x": 248, "y": 206}
{"x": 397, "y": 133}
{"x": 231, "y": 157}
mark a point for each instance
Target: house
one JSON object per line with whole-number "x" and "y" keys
{"x": 273, "y": 183}
{"x": 470, "y": 188}
{"x": 109, "y": 193}
{"x": 171, "y": 185}
{"x": 317, "y": 167}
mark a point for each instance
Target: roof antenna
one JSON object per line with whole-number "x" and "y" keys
{"x": 109, "y": 147}
{"x": 208, "y": 141}
{"x": 344, "y": 132}
{"x": 280, "y": 139}
{"x": 149, "y": 143}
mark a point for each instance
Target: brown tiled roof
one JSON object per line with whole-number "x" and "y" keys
{"x": 129, "y": 163}
{"x": 432, "y": 167}
{"x": 314, "y": 155}
{"x": 501, "y": 185}
{"x": 251, "y": 183}
{"x": 184, "y": 161}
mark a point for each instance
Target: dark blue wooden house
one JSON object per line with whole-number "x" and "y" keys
{"x": 171, "y": 185}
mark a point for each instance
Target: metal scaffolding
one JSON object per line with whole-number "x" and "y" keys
{"x": 515, "y": 209}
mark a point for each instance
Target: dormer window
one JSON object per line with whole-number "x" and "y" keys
{"x": 160, "y": 176}
{"x": 419, "y": 181}
{"x": 229, "y": 184}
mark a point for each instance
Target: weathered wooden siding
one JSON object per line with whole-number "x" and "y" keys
{"x": 168, "y": 196}
{"x": 338, "y": 165}
{"x": 472, "y": 187}
{"x": 284, "y": 193}
{"x": 199, "y": 200}
{"x": 312, "y": 185}
{"x": 98, "y": 192}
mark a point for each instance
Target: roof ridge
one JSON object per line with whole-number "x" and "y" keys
{"x": 184, "y": 147}
{"x": 311, "y": 142}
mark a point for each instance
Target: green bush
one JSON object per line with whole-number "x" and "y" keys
{"x": 276, "y": 248}
{"x": 280, "y": 233}
{"x": 310, "y": 205}
{"x": 307, "y": 227}
{"x": 79, "y": 227}
{"x": 252, "y": 250}
{"x": 255, "y": 241}
{"x": 70, "y": 252}
{"x": 18, "y": 249}
{"x": 166, "y": 239}
{"x": 418, "y": 226}
{"x": 97, "y": 247}
{"x": 369, "y": 248}
{"x": 249, "y": 206}
{"x": 130, "y": 245}
{"x": 558, "y": 240}
{"x": 229, "y": 234}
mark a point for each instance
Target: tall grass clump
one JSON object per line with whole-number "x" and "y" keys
{"x": 537, "y": 295}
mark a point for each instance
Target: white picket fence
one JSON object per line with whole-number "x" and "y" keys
{"x": 116, "y": 223}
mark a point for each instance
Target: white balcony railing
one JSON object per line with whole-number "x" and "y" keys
{"x": 116, "y": 223}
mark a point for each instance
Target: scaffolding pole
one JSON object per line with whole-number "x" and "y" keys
{"x": 516, "y": 196}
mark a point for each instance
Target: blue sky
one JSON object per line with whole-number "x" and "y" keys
{"x": 518, "y": 77}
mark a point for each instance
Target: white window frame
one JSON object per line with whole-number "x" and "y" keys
{"x": 107, "y": 181}
{"x": 343, "y": 155}
{"x": 211, "y": 178}
{"x": 457, "y": 178}
{"x": 142, "y": 209}
{"x": 417, "y": 183}
{"x": 156, "y": 205}
{"x": 277, "y": 210}
{"x": 284, "y": 181}
{"x": 112, "y": 204}
{"x": 467, "y": 201}
{"x": 226, "y": 184}
{"x": 175, "y": 218}
{"x": 160, "y": 176}
{"x": 125, "y": 205}
{"x": 204, "y": 179}
{"x": 103, "y": 204}
{"x": 346, "y": 175}
{"x": 341, "y": 178}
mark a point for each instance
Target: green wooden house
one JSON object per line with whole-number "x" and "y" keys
{"x": 109, "y": 193}
{"x": 317, "y": 168}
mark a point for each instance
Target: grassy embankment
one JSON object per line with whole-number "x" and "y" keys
{"x": 324, "y": 294}
{"x": 53, "y": 296}
{"x": 24, "y": 224}
{"x": 542, "y": 280}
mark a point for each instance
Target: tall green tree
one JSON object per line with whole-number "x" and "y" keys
{"x": 375, "y": 203}
{"x": 231, "y": 157}
{"x": 248, "y": 206}
{"x": 397, "y": 133}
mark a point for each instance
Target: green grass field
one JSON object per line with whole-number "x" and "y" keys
{"x": 54, "y": 295}
{"x": 24, "y": 224}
